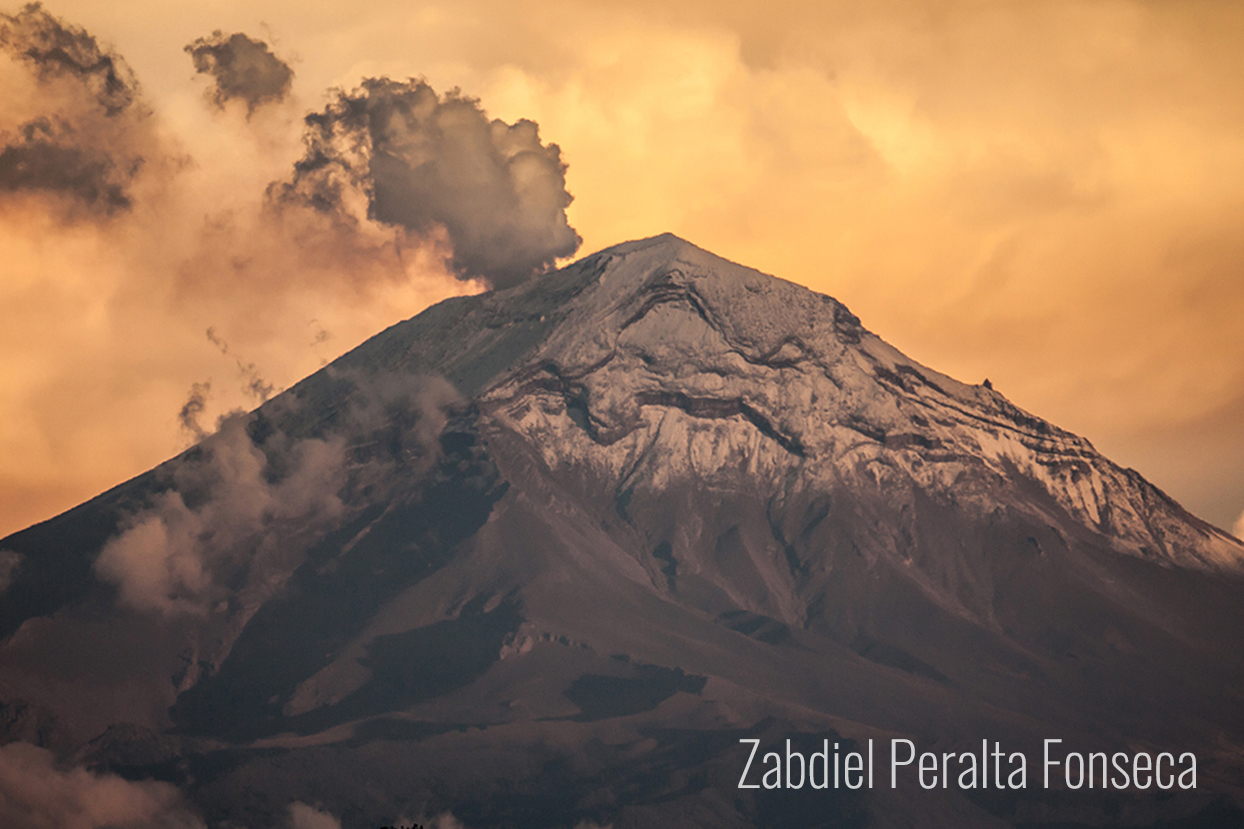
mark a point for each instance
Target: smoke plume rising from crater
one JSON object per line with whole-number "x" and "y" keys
{"x": 423, "y": 161}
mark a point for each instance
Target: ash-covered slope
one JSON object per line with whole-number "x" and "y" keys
{"x": 544, "y": 555}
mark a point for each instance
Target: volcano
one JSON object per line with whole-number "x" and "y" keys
{"x": 557, "y": 555}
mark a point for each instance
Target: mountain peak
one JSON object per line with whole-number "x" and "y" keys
{"x": 652, "y": 496}
{"x": 670, "y": 242}
{"x": 654, "y": 361}
{"x": 668, "y": 251}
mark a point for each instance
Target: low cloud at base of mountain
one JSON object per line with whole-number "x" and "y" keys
{"x": 35, "y": 793}
{"x": 302, "y": 816}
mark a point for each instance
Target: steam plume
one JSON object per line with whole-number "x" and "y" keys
{"x": 422, "y": 161}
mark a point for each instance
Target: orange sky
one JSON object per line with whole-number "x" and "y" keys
{"x": 1047, "y": 194}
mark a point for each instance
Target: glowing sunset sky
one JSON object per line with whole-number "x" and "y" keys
{"x": 1047, "y": 194}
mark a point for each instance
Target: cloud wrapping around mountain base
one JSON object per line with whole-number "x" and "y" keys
{"x": 36, "y": 794}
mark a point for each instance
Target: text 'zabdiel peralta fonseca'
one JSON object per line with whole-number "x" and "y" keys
{"x": 992, "y": 767}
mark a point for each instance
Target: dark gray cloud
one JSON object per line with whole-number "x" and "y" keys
{"x": 243, "y": 68}
{"x": 424, "y": 162}
{"x": 92, "y": 138}
{"x": 52, "y": 156}
{"x": 56, "y": 49}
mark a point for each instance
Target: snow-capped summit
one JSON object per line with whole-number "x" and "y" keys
{"x": 655, "y": 361}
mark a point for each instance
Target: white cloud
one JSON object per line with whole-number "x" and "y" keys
{"x": 236, "y": 507}
{"x": 172, "y": 557}
{"x": 36, "y": 794}
{"x": 302, "y": 816}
